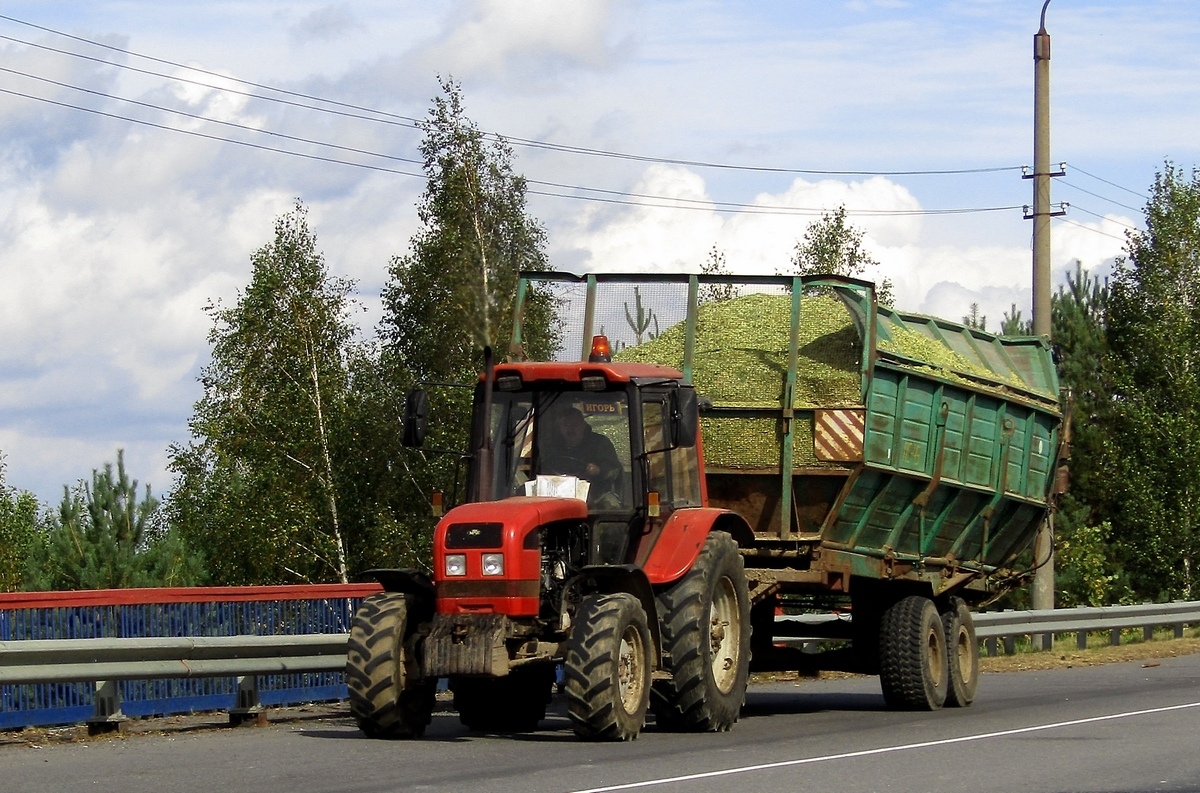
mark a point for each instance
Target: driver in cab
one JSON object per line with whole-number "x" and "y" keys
{"x": 575, "y": 449}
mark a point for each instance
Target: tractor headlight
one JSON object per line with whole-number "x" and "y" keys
{"x": 493, "y": 564}
{"x": 456, "y": 564}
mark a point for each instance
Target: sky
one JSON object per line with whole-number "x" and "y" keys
{"x": 142, "y": 161}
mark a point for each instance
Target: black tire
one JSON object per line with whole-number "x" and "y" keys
{"x": 513, "y": 703}
{"x": 706, "y": 642}
{"x": 387, "y": 698}
{"x": 607, "y": 668}
{"x": 962, "y": 649}
{"x": 912, "y": 660}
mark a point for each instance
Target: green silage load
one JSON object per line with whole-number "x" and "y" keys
{"x": 741, "y": 359}
{"x": 938, "y": 358}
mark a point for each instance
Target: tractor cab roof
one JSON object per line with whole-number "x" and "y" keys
{"x": 576, "y": 371}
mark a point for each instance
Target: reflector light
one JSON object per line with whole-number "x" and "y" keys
{"x": 601, "y": 351}
{"x": 435, "y": 501}
{"x": 652, "y": 504}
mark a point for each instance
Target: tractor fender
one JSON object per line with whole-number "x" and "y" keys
{"x": 673, "y": 549}
{"x": 606, "y": 579}
{"x": 409, "y": 581}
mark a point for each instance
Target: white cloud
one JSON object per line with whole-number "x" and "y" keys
{"x": 324, "y": 24}
{"x": 114, "y": 236}
{"x": 671, "y": 240}
{"x": 530, "y": 40}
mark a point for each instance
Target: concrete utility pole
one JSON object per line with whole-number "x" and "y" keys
{"x": 1043, "y": 547}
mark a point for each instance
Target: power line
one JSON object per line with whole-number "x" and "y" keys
{"x": 617, "y": 196}
{"x": 209, "y": 120}
{"x": 206, "y": 136}
{"x": 1113, "y": 184}
{"x": 1104, "y": 218}
{"x": 1097, "y": 195}
{"x": 1089, "y": 228}
{"x": 408, "y": 121}
{"x": 177, "y": 65}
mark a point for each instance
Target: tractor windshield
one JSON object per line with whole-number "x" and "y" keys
{"x": 576, "y": 441}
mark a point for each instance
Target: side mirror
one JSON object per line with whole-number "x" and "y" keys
{"x": 685, "y": 417}
{"x": 416, "y": 418}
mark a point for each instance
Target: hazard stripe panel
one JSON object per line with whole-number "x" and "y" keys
{"x": 838, "y": 435}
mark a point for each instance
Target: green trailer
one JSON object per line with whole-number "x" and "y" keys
{"x": 892, "y": 468}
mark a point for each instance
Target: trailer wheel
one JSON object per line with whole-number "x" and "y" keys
{"x": 706, "y": 639}
{"x": 607, "y": 668}
{"x": 963, "y": 653}
{"x": 387, "y": 699}
{"x": 513, "y": 703}
{"x": 912, "y": 661}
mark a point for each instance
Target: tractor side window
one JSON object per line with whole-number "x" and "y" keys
{"x": 685, "y": 476}
{"x": 653, "y": 416}
{"x": 675, "y": 474}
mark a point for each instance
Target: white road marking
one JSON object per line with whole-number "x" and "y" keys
{"x": 883, "y": 750}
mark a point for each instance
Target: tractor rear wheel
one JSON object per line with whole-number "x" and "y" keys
{"x": 607, "y": 668}
{"x": 913, "y": 671}
{"x": 387, "y": 697}
{"x": 706, "y": 637}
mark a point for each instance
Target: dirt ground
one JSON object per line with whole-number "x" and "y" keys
{"x": 1148, "y": 652}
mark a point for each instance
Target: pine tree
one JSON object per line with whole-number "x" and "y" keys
{"x": 105, "y": 537}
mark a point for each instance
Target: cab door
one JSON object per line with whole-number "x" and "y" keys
{"x": 671, "y": 471}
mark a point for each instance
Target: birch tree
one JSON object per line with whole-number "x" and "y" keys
{"x": 258, "y": 484}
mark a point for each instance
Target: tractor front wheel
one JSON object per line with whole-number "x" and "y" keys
{"x": 388, "y": 699}
{"x": 607, "y": 668}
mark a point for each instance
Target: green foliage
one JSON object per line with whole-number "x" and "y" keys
{"x": 1153, "y": 448}
{"x": 832, "y": 246}
{"x": 105, "y": 537}
{"x": 19, "y": 532}
{"x": 715, "y": 265}
{"x": 449, "y": 297}
{"x": 258, "y": 488}
{"x": 1011, "y": 324}
{"x": 454, "y": 292}
{"x": 1087, "y": 573}
{"x": 974, "y": 319}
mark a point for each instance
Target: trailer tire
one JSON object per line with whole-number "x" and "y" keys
{"x": 962, "y": 649}
{"x": 513, "y": 703}
{"x": 913, "y": 671}
{"x": 607, "y": 668}
{"x": 706, "y": 642}
{"x": 387, "y": 698}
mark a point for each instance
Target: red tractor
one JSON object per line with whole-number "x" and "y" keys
{"x": 585, "y": 540}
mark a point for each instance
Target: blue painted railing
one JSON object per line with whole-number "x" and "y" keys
{"x": 216, "y": 611}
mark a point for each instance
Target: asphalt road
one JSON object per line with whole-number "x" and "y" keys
{"x": 1124, "y": 727}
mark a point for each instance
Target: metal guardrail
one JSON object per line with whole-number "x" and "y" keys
{"x": 107, "y": 660}
{"x": 74, "y": 660}
{"x": 993, "y": 626}
{"x": 151, "y": 652}
{"x": 1006, "y": 625}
